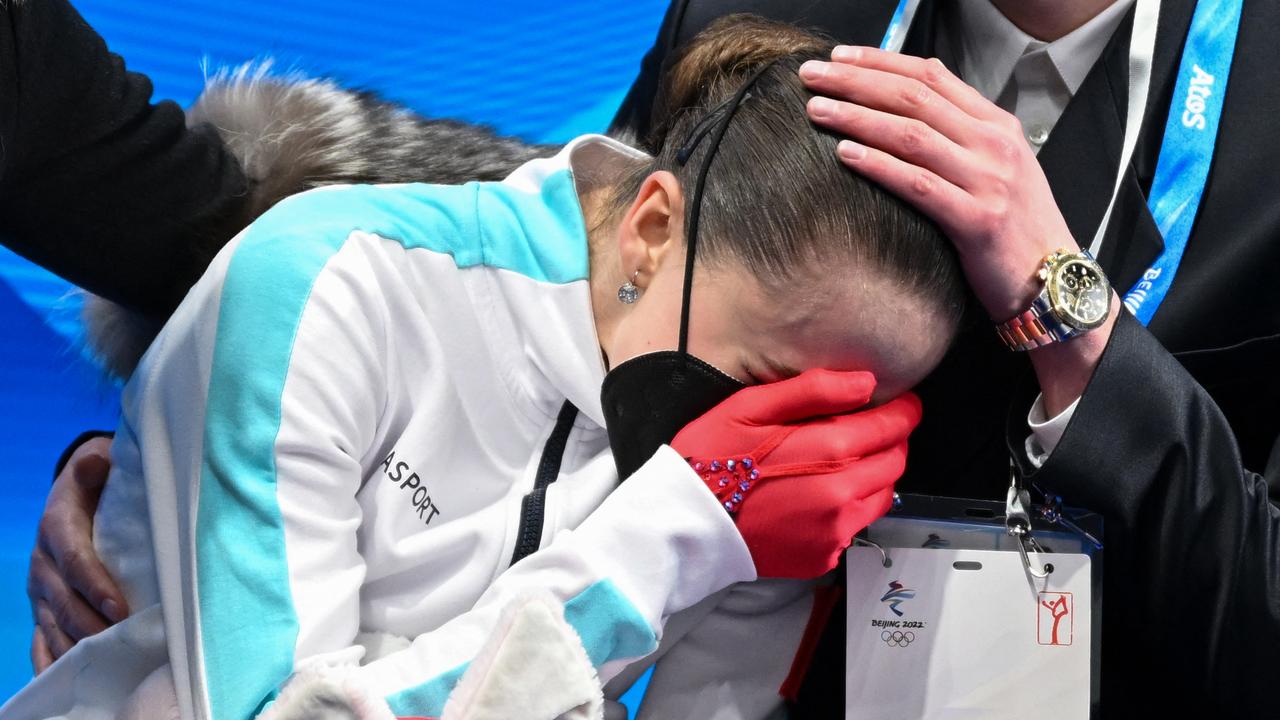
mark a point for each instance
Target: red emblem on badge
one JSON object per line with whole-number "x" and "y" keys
{"x": 1055, "y": 619}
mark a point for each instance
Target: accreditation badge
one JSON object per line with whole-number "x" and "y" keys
{"x": 943, "y": 629}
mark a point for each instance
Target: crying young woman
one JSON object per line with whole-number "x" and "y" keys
{"x": 630, "y": 381}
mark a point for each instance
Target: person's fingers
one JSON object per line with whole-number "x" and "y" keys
{"x": 877, "y": 504}
{"x": 813, "y": 393}
{"x": 909, "y": 139}
{"x": 895, "y": 94}
{"x": 849, "y": 519}
{"x": 864, "y": 512}
{"x": 71, "y": 612}
{"x": 90, "y": 580}
{"x": 873, "y": 473}
{"x": 41, "y": 656}
{"x": 39, "y": 570}
{"x": 885, "y": 425}
{"x": 946, "y": 204}
{"x": 840, "y": 439}
{"x": 89, "y": 467}
{"x": 66, "y": 533}
{"x": 77, "y": 609}
{"x": 59, "y": 642}
{"x": 929, "y": 72}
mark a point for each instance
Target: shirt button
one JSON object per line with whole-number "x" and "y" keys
{"x": 1038, "y": 134}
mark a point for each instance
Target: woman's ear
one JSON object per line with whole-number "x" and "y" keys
{"x": 652, "y": 230}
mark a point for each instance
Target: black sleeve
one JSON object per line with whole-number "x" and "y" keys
{"x": 96, "y": 183}
{"x": 635, "y": 116}
{"x": 1191, "y": 595}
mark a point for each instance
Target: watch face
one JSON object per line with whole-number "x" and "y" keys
{"x": 1079, "y": 293}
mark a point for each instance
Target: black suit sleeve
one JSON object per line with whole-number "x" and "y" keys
{"x": 635, "y": 116}
{"x": 97, "y": 184}
{"x": 1191, "y": 611}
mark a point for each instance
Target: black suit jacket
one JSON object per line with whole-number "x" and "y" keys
{"x": 1175, "y": 412}
{"x": 97, "y": 184}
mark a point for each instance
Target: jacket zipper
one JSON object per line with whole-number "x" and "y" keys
{"x": 533, "y": 509}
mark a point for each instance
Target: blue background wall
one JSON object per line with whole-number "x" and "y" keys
{"x": 544, "y": 71}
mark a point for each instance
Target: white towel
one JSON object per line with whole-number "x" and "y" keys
{"x": 534, "y": 667}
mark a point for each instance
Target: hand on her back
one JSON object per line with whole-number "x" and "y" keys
{"x": 72, "y": 595}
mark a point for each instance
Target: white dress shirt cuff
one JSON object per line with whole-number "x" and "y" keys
{"x": 1046, "y": 432}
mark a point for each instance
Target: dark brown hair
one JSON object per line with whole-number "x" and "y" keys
{"x": 777, "y": 198}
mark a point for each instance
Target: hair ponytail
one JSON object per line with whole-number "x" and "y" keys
{"x": 724, "y": 55}
{"x": 777, "y": 198}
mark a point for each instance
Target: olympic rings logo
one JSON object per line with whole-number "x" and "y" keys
{"x": 897, "y": 638}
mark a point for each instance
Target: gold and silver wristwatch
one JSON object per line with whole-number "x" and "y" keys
{"x": 1075, "y": 299}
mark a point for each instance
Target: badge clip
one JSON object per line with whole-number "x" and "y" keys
{"x": 884, "y": 556}
{"x": 1017, "y": 522}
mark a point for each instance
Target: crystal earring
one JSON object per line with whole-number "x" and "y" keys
{"x": 629, "y": 293}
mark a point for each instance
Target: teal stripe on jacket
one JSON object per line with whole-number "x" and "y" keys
{"x": 610, "y": 627}
{"x": 247, "y": 622}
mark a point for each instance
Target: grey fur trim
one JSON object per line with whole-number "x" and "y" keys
{"x": 291, "y": 134}
{"x": 115, "y": 336}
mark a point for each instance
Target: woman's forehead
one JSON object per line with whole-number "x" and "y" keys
{"x": 841, "y": 321}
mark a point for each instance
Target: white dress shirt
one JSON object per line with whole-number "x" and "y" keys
{"x": 1034, "y": 80}
{"x": 1030, "y": 78}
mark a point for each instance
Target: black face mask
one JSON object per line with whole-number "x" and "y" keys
{"x": 649, "y": 399}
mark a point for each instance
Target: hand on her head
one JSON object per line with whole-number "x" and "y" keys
{"x": 923, "y": 134}
{"x": 802, "y": 465}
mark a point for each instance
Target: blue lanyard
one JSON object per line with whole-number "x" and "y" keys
{"x": 899, "y": 25}
{"x": 1186, "y": 152}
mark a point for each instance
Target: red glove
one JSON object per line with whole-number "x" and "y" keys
{"x": 800, "y": 470}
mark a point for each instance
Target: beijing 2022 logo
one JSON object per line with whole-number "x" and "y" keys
{"x": 897, "y": 638}
{"x": 897, "y": 633}
{"x": 896, "y": 595}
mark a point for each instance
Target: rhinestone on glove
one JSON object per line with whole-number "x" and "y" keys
{"x": 729, "y": 479}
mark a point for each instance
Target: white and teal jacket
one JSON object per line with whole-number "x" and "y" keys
{"x": 333, "y": 440}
